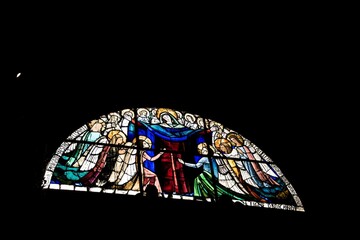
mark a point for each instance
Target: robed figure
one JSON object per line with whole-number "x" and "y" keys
{"x": 173, "y": 138}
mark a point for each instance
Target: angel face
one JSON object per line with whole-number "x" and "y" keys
{"x": 204, "y": 151}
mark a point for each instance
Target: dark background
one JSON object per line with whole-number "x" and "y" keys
{"x": 261, "y": 84}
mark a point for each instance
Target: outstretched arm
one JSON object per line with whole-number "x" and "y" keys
{"x": 193, "y": 165}
{"x": 147, "y": 157}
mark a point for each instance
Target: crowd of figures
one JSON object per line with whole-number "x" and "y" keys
{"x": 178, "y": 153}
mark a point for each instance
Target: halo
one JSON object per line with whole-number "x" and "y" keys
{"x": 235, "y": 135}
{"x": 145, "y": 139}
{"x": 127, "y": 110}
{"x": 114, "y": 114}
{"x": 160, "y": 111}
{"x": 189, "y": 115}
{"x": 143, "y": 109}
{"x": 112, "y": 133}
{"x": 179, "y": 114}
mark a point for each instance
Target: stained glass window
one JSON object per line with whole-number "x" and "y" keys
{"x": 182, "y": 154}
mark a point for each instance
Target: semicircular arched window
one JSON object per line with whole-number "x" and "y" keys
{"x": 182, "y": 154}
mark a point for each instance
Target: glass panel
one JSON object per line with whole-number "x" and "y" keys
{"x": 177, "y": 154}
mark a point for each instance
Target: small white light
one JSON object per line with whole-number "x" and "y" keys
{"x": 18, "y": 75}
